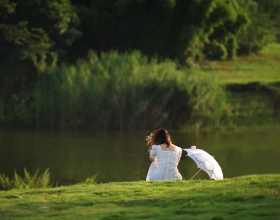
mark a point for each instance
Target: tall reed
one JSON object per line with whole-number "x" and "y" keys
{"x": 122, "y": 91}
{"x": 27, "y": 182}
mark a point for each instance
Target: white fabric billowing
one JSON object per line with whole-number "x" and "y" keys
{"x": 206, "y": 162}
{"x": 165, "y": 166}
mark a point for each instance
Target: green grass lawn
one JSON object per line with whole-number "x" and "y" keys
{"x": 248, "y": 197}
{"x": 263, "y": 68}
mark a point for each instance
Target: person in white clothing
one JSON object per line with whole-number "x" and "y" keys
{"x": 164, "y": 155}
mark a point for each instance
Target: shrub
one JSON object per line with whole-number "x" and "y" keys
{"x": 91, "y": 180}
{"x": 261, "y": 30}
{"x": 26, "y": 182}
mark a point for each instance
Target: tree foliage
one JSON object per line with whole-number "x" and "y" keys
{"x": 181, "y": 30}
{"x": 34, "y": 34}
{"x": 206, "y": 28}
{"x": 264, "y": 24}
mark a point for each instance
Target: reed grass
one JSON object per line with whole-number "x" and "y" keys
{"x": 121, "y": 92}
{"x": 91, "y": 180}
{"x": 27, "y": 182}
{"x": 129, "y": 91}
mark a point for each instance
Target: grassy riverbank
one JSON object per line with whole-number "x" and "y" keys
{"x": 248, "y": 197}
{"x": 252, "y": 85}
{"x": 262, "y": 68}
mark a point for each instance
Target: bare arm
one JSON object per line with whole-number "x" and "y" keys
{"x": 151, "y": 159}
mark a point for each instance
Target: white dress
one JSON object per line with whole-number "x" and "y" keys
{"x": 165, "y": 167}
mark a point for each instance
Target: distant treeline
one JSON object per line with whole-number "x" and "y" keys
{"x": 42, "y": 33}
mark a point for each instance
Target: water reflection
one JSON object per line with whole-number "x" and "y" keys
{"x": 74, "y": 156}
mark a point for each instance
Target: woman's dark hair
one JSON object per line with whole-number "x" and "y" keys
{"x": 160, "y": 136}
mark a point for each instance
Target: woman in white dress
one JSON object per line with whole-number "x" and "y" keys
{"x": 165, "y": 157}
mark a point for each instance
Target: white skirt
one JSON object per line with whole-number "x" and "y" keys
{"x": 153, "y": 166}
{"x": 157, "y": 174}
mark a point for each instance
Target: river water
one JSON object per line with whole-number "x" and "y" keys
{"x": 122, "y": 156}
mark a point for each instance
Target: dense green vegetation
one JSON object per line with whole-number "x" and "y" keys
{"x": 117, "y": 92}
{"x": 248, "y": 197}
{"x": 73, "y": 64}
{"x": 34, "y": 35}
{"x": 131, "y": 91}
{"x": 38, "y": 34}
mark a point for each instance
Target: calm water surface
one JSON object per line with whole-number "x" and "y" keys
{"x": 74, "y": 156}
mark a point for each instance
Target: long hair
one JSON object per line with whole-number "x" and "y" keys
{"x": 160, "y": 136}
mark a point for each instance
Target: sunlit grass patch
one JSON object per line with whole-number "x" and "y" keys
{"x": 263, "y": 68}
{"x": 247, "y": 197}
